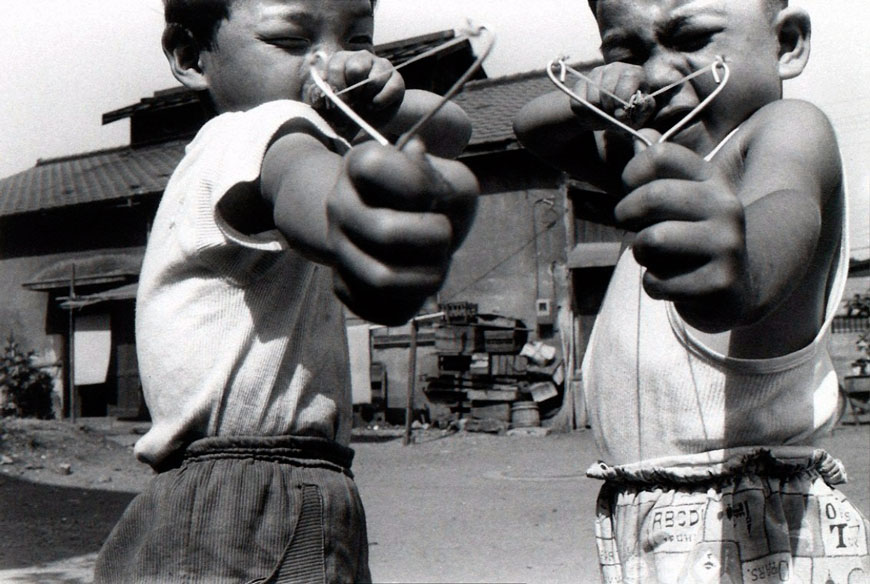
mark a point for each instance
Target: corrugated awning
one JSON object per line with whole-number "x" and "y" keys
{"x": 594, "y": 255}
{"x": 125, "y": 292}
{"x": 108, "y": 267}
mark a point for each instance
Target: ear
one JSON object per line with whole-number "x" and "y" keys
{"x": 793, "y": 33}
{"x": 183, "y": 53}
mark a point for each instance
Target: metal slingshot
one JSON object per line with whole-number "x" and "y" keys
{"x": 466, "y": 33}
{"x": 558, "y": 71}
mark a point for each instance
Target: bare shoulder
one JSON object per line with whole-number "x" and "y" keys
{"x": 794, "y": 141}
{"x": 794, "y": 127}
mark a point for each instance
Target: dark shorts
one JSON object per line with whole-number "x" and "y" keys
{"x": 244, "y": 510}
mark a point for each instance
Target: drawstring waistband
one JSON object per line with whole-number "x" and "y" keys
{"x": 781, "y": 462}
{"x": 305, "y": 451}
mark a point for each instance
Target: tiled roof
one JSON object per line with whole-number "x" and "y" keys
{"x": 492, "y": 105}
{"x": 104, "y": 175}
{"x": 164, "y": 98}
{"x": 400, "y": 51}
{"x": 119, "y": 173}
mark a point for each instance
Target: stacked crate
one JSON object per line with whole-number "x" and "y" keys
{"x": 480, "y": 369}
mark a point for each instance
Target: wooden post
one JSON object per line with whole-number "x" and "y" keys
{"x": 412, "y": 383}
{"x": 72, "y": 343}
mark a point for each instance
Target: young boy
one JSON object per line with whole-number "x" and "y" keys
{"x": 707, "y": 375}
{"x": 241, "y": 339}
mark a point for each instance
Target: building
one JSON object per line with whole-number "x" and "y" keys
{"x": 73, "y": 232}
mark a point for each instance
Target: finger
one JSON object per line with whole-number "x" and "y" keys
{"x": 335, "y": 70}
{"x": 650, "y": 134}
{"x": 461, "y": 182}
{"x": 367, "y": 270}
{"x": 391, "y": 308}
{"x": 589, "y": 91}
{"x": 400, "y": 238}
{"x": 701, "y": 239}
{"x": 609, "y": 78}
{"x": 696, "y": 281}
{"x": 386, "y": 177}
{"x": 665, "y": 161}
{"x": 661, "y": 200}
{"x": 358, "y": 67}
{"x": 391, "y": 88}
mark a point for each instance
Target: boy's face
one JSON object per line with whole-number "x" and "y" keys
{"x": 672, "y": 38}
{"x": 265, "y": 49}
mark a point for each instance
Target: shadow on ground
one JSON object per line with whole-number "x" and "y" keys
{"x": 44, "y": 523}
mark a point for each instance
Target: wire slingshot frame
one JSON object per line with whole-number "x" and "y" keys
{"x": 717, "y": 66}
{"x": 466, "y": 33}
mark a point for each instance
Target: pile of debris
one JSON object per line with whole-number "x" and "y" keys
{"x": 490, "y": 375}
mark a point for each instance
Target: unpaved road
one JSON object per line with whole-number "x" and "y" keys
{"x": 456, "y": 508}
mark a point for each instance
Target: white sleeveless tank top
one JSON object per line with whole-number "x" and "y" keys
{"x": 653, "y": 390}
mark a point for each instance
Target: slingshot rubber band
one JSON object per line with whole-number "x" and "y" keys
{"x": 433, "y": 51}
{"x": 457, "y": 87}
{"x": 465, "y": 34}
{"x": 721, "y": 81}
{"x": 348, "y": 111}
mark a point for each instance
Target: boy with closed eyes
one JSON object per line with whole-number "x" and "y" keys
{"x": 278, "y": 211}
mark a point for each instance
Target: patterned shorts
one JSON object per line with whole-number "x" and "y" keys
{"x": 739, "y": 517}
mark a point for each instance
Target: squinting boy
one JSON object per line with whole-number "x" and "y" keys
{"x": 241, "y": 339}
{"x": 707, "y": 375}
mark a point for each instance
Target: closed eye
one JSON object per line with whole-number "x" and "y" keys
{"x": 692, "y": 40}
{"x": 363, "y": 41}
{"x": 290, "y": 44}
{"x": 624, "y": 54}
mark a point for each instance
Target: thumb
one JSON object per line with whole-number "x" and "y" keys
{"x": 648, "y": 133}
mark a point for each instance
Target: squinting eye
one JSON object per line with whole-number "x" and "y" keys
{"x": 622, "y": 57}
{"x": 692, "y": 42}
{"x": 362, "y": 39}
{"x": 291, "y": 44}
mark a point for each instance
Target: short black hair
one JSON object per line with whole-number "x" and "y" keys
{"x": 772, "y": 7}
{"x": 200, "y": 17}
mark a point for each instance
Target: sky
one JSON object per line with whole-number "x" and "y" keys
{"x": 63, "y": 63}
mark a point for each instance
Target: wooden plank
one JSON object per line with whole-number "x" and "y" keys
{"x": 492, "y": 395}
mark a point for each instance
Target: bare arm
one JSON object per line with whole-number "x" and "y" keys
{"x": 298, "y": 173}
{"x": 445, "y": 135}
{"x": 551, "y": 129}
{"x": 387, "y": 221}
{"x": 747, "y": 241}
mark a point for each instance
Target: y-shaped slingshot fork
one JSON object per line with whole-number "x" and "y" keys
{"x": 563, "y": 69}
{"x": 468, "y": 32}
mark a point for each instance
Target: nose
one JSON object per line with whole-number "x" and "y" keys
{"x": 328, "y": 46}
{"x": 663, "y": 68}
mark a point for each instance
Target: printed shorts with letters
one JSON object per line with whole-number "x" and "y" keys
{"x": 270, "y": 510}
{"x": 731, "y": 517}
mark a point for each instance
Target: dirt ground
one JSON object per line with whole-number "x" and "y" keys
{"x": 460, "y": 507}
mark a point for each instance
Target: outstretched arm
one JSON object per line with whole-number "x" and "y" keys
{"x": 742, "y": 246}
{"x": 445, "y": 135}
{"x": 570, "y": 136}
{"x": 387, "y": 221}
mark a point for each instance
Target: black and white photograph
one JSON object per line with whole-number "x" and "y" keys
{"x": 415, "y": 292}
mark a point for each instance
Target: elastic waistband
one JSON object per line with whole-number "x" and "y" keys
{"x": 711, "y": 467}
{"x": 309, "y": 451}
